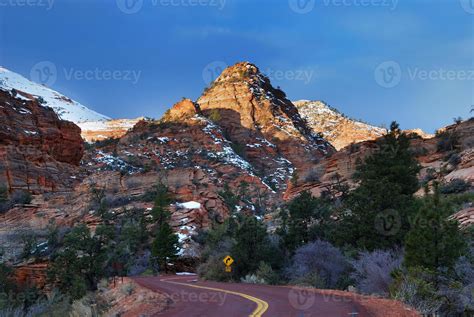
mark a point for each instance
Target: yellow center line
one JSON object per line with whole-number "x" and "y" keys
{"x": 262, "y": 305}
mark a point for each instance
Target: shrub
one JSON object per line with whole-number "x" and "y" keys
{"x": 214, "y": 115}
{"x": 454, "y": 159}
{"x": 313, "y": 176}
{"x": 20, "y": 197}
{"x": 372, "y": 271}
{"x": 266, "y": 273}
{"x": 455, "y": 186}
{"x": 416, "y": 290}
{"x": 318, "y": 262}
{"x": 127, "y": 289}
{"x": 252, "y": 279}
{"x": 213, "y": 269}
{"x": 447, "y": 141}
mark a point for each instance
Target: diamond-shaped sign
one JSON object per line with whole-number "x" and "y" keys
{"x": 228, "y": 260}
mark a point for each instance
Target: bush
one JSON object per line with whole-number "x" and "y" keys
{"x": 320, "y": 263}
{"x": 127, "y": 289}
{"x": 266, "y": 274}
{"x": 372, "y": 271}
{"x": 252, "y": 279}
{"x": 455, "y": 186}
{"x": 20, "y": 197}
{"x": 447, "y": 141}
{"x": 416, "y": 290}
{"x": 454, "y": 159}
{"x": 214, "y": 115}
{"x": 213, "y": 269}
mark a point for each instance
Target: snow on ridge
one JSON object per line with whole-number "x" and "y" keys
{"x": 65, "y": 108}
{"x": 189, "y": 205}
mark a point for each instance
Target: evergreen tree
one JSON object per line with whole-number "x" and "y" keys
{"x": 80, "y": 265}
{"x": 377, "y": 212}
{"x": 163, "y": 199}
{"x": 434, "y": 241}
{"x": 230, "y": 199}
{"x": 165, "y": 246}
{"x": 303, "y": 220}
{"x": 252, "y": 246}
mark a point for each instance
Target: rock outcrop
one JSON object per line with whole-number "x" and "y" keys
{"x": 38, "y": 151}
{"x": 335, "y": 127}
{"x": 445, "y": 157}
{"x": 92, "y": 131}
{"x": 262, "y": 123}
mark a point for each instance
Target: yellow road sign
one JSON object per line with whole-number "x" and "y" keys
{"x": 228, "y": 269}
{"x": 228, "y": 260}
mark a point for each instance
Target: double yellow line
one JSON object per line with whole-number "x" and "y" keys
{"x": 262, "y": 305}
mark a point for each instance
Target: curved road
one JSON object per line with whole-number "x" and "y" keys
{"x": 191, "y": 298}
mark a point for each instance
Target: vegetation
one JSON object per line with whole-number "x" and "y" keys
{"x": 165, "y": 246}
{"x": 378, "y": 211}
{"x": 434, "y": 241}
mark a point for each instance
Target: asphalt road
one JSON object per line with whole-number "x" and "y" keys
{"x": 192, "y": 298}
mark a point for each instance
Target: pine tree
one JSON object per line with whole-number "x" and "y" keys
{"x": 80, "y": 265}
{"x": 252, "y": 246}
{"x": 165, "y": 246}
{"x": 163, "y": 199}
{"x": 305, "y": 214}
{"x": 377, "y": 212}
{"x": 434, "y": 241}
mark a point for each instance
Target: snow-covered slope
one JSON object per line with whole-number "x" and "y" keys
{"x": 334, "y": 126}
{"x": 66, "y": 108}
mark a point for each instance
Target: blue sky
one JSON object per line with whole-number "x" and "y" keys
{"x": 377, "y": 60}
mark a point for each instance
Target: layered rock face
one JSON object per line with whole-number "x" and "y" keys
{"x": 261, "y": 122}
{"x": 445, "y": 157}
{"x": 335, "y": 127}
{"x": 38, "y": 151}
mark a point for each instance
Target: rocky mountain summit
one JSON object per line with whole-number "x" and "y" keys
{"x": 334, "y": 126}
{"x": 258, "y": 117}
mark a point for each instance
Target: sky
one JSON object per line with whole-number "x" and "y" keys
{"x": 377, "y": 60}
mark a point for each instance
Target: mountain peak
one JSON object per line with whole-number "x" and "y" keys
{"x": 241, "y": 71}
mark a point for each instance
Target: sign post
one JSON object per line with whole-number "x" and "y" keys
{"x": 228, "y": 260}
